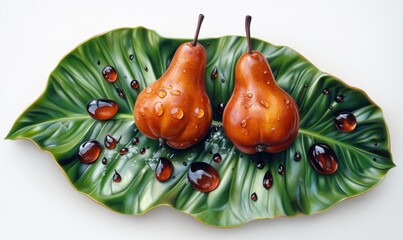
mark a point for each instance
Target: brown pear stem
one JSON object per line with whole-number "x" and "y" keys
{"x": 248, "y": 19}
{"x": 199, "y": 23}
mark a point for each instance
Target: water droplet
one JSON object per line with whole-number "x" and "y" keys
{"x": 214, "y": 73}
{"x": 249, "y": 95}
{"x": 268, "y": 82}
{"x": 110, "y": 142}
{"x": 244, "y": 123}
{"x": 330, "y": 107}
{"x": 325, "y": 91}
{"x": 149, "y": 90}
{"x": 273, "y": 129}
{"x": 102, "y": 109}
{"x": 131, "y": 56}
{"x": 286, "y": 101}
{"x": 184, "y": 164}
{"x": 184, "y": 71}
{"x": 89, "y": 151}
{"x": 217, "y": 158}
{"x": 158, "y": 109}
{"x": 109, "y": 73}
{"x": 169, "y": 87}
{"x": 322, "y": 158}
{"x": 134, "y": 84}
{"x": 177, "y": 113}
{"x": 305, "y": 85}
{"x": 146, "y": 69}
{"x": 260, "y": 165}
{"x": 339, "y": 98}
{"x": 281, "y": 169}
{"x": 123, "y": 151}
{"x": 248, "y": 105}
{"x": 345, "y": 121}
{"x": 241, "y": 156}
{"x": 98, "y": 62}
{"x": 264, "y": 103}
{"x": 104, "y": 161}
{"x": 220, "y": 108}
{"x": 264, "y": 72}
{"x": 175, "y": 92}
{"x": 278, "y": 119}
{"x": 253, "y": 197}
{"x": 223, "y": 80}
{"x": 203, "y": 176}
{"x": 164, "y": 169}
{"x": 135, "y": 141}
{"x": 161, "y": 93}
{"x": 260, "y": 147}
{"x": 121, "y": 93}
{"x": 116, "y": 177}
{"x": 268, "y": 180}
{"x": 297, "y": 156}
{"x": 142, "y": 151}
{"x": 199, "y": 113}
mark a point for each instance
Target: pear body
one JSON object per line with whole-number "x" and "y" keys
{"x": 260, "y": 116}
{"x": 176, "y": 107}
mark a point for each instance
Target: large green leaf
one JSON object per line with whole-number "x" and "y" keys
{"x": 58, "y": 122}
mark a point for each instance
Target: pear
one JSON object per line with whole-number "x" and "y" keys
{"x": 176, "y": 108}
{"x": 259, "y": 116}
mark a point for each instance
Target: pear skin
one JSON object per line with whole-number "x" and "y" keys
{"x": 259, "y": 116}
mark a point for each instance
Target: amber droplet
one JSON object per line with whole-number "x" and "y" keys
{"x": 203, "y": 176}
{"x": 116, "y": 177}
{"x": 102, "y": 109}
{"x": 109, "y": 73}
{"x": 134, "y": 84}
{"x": 177, "y": 113}
{"x": 199, "y": 113}
{"x": 175, "y": 92}
{"x": 104, "y": 161}
{"x": 322, "y": 158}
{"x": 325, "y": 91}
{"x": 281, "y": 169}
{"x": 110, "y": 142}
{"x": 268, "y": 180}
{"x": 214, "y": 73}
{"x": 345, "y": 121}
{"x": 135, "y": 141}
{"x": 260, "y": 165}
{"x": 158, "y": 109}
{"x": 339, "y": 98}
{"x": 161, "y": 93}
{"x": 264, "y": 103}
{"x": 89, "y": 151}
{"x": 297, "y": 156}
{"x": 142, "y": 151}
{"x": 164, "y": 169}
{"x": 249, "y": 95}
{"x": 220, "y": 108}
{"x": 253, "y": 197}
{"x": 217, "y": 158}
{"x": 123, "y": 151}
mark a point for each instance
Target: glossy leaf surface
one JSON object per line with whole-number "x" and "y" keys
{"x": 59, "y": 123}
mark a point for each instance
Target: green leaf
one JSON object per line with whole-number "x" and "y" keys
{"x": 59, "y": 123}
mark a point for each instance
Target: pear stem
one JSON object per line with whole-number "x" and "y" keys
{"x": 199, "y": 23}
{"x": 248, "y": 19}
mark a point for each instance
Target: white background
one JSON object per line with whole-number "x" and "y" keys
{"x": 357, "y": 41}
